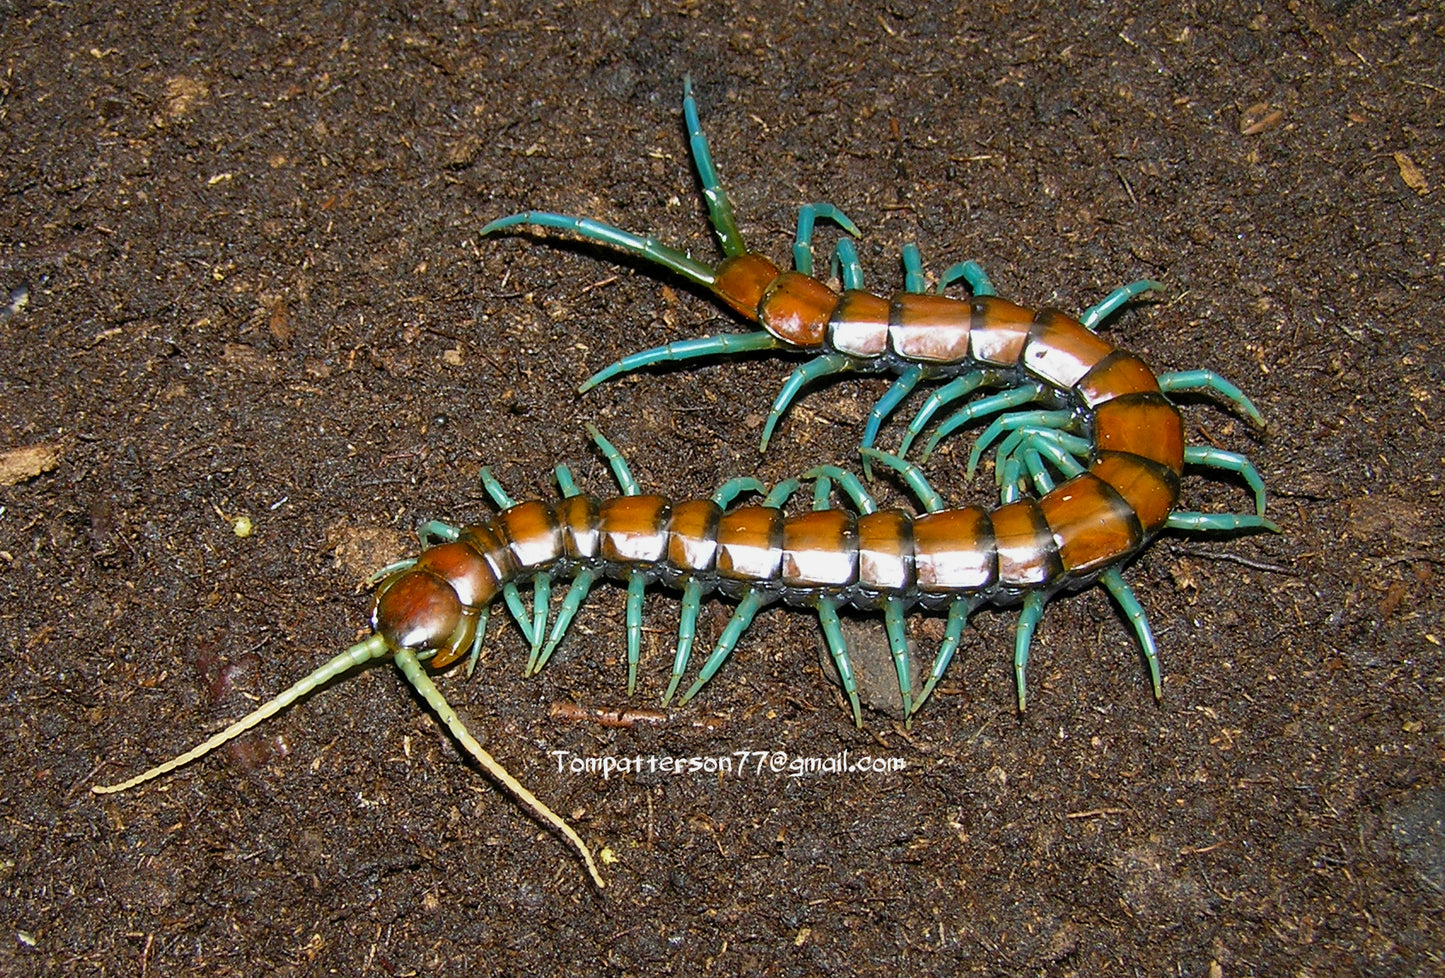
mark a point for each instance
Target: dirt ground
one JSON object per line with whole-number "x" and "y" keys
{"x": 242, "y": 280}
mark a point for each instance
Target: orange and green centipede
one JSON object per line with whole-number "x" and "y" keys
{"x": 1089, "y": 454}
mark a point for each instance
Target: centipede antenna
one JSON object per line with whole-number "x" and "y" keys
{"x": 704, "y": 346}
{"x": 364, "y": 651}
{"x": 804, "y": 374}
{"x": 1101, "y": 310}
{"x": 1201, "y": 381}
{"x": 719, "y": 207}
{"x": 411, "y": 668}
{"x": 625, "y": 241}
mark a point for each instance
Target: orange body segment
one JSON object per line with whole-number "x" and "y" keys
{"x": 1149, "y": 489}
{"x": 532, "y": 532}
{"x": 820, "y": 549}
{"x": 885, "y": 551}
{"x": 417, "y": 610}
{"x": 741, "y": 281}
{"x": 692, "y": 535}
{"x": 1060, "y": 350}
{"x": 1026, "y": 553}
{"x": 632, "y": 529}
{"x": 1144, "y": 424}
{"x": 485, "y": 540}
{"x": 1000, "y": 329}
{"x": 859, "y": 326}
{"x": 577, "y": 516}
{"x": 1118, "y": 374}
{"x": 1092, "y": 524}
{"x": 953, "y": 550}
{"x": 749, "y": 543}
{"x": 796, "y": 308}
{"x": 930, "y": 328}
{"x": 470, "y": 576}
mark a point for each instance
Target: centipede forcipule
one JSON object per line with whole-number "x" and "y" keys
{"x": 1089, "y": 453}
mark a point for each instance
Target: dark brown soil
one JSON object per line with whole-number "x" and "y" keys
{"x": 244, "y": 279}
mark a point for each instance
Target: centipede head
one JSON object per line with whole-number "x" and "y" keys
{"x": 417, "y": 610}
{"x": 791, "y": 306}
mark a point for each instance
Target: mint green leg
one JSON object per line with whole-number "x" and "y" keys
{"x": 605, "y": 234}
{"x": 838, "y": 649}
{"x": 742, "y": 617}
{"x": 1114, "y": 583}
{"x": 1013, "y": 422}
{"x": 829, "y": 363}
{"x": 845, "y": 265}
{"x": 510, "y": 594}
{"x": 952, "y": 635}
{"x": 636, "y": 588}
{"x": 1195, "y": 381}
{"x": 898, "y": 645}
{"x": 894, "y": 396}
{"x": 576, "y": 594}
{"x": 719, "y": 208}
{"x": 1023, "y": 638}
{"x": 1241, "y": 466}
{"x": 704, "y": 346}
{"x": 1100, "y": 311}
{"x": 803, "y": 243}
{"x": 972, "y": 274}
{"x": 913, "y": 269}
{"x": 1219, "y": 522}
{"x": 955, "y": 389}
{"x": 692, "y": 593}
{"x": 1015, "y": 397}
{"x": 912, "y": 476}
{"x": 483, "y": 617}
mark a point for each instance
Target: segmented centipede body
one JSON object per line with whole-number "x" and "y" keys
{"x": 1090, "y": 452}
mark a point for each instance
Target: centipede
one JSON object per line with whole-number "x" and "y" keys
{"x": 1088, "y": 444}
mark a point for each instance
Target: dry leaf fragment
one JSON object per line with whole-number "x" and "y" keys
{"x": 21, "y": 464}
{"x": 1258, "y": 118}
{"x": 1410, "y": 173}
